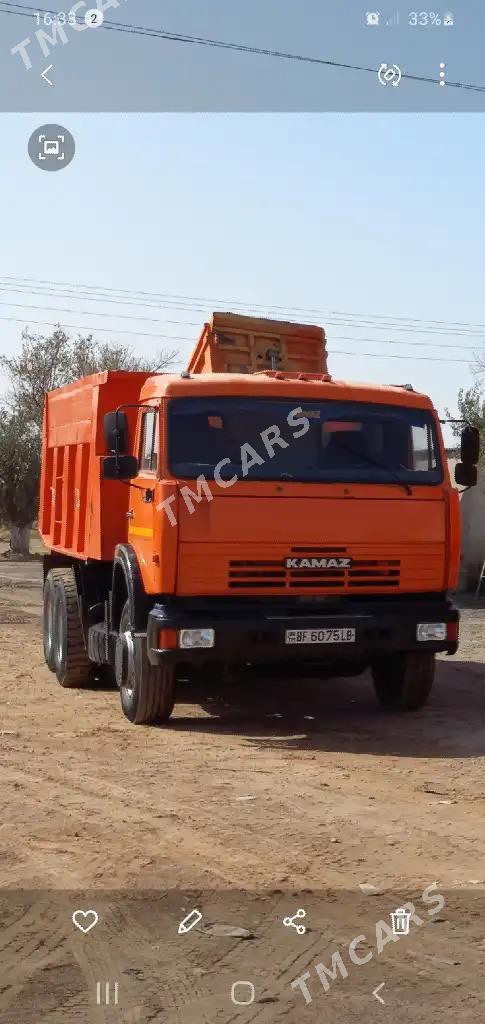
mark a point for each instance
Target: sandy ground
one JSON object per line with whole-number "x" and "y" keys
{"x": 280, "y": 789}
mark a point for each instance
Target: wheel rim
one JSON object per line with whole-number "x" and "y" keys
{"x": 126, "y": 653}
{"x": 49, "y": 622}
{"x": 125, "y": 663}
{"x": 58, "y": 632}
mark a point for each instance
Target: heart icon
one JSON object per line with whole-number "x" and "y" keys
{"x": 85, "y": 920}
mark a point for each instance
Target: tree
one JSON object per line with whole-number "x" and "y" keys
{"x": 46, "y": 362}
{"x": 471, "y": 408}
{"x": 49, "y": 361}
{"x": 19, "y": 478}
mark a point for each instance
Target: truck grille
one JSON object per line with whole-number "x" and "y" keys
{"x": 274, "y": 575}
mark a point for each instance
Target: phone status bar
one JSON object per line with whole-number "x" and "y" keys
{"x": 412, "y": 19}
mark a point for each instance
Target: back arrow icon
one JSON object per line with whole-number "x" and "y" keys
{"x": 44, "y": 74}
{"x": 376, "y": 990}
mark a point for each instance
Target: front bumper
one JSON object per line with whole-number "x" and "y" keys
{"x": 257, "y": 635}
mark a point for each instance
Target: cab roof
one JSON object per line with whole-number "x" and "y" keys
{"x": 259, "y": 385}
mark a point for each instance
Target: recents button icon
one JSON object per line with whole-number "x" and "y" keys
{"x": 104, "y": 996}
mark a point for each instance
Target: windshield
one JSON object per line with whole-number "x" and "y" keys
{"x": 253, "y": 438}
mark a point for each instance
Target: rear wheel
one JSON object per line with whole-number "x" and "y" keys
{"x": 71, "y": 663}
{"x": 48, "y": 618}
{"x": 403, "y": 680}
{"x": 147, "y": 691}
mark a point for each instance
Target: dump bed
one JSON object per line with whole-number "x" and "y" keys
{"x": 231, "y": 343}
{"x": 75, "y": 504}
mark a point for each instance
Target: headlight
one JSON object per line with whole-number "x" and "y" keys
{"x": 431, "y": 631}
{"x": 197, "y": 638}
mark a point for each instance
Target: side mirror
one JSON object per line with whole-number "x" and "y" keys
{"x": 116, "y": 432}
{"x": 465, "y": 474}
{"x": 120, "y": 467}
{"x": 470, "y": 446}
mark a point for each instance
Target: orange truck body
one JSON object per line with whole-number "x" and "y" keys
{"x": 84, "y": 516}
{"x": 259, "y": 540}
{"x": 232, "y": 343}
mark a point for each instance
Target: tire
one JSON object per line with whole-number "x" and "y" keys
{"x": 148, "y": 691}
{"x": 403, "y": 681}
{"x": 71, "y": 663}
{"x": 48, "y": 618}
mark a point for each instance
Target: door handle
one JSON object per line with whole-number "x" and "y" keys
{"x": 130, "y": 514}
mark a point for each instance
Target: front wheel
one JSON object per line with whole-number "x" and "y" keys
{"x": 403, "y": 680}
{"x": 147, "y": 691}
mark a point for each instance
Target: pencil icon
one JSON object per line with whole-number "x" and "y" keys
{"x": 189, "y": 922}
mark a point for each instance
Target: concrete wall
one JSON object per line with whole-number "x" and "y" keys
{"x": 472, "y": 505}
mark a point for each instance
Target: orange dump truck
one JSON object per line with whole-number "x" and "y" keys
{"x": 244, "y": 513}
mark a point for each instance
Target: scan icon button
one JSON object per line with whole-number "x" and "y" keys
{"x": 51, "y": 147}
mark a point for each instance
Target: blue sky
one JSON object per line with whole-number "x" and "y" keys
{"x": 369, "y": 214}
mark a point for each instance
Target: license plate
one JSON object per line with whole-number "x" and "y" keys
{"x": 320, "y": 636}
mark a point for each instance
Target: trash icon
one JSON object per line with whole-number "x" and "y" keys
{"x": 400, "y": 921}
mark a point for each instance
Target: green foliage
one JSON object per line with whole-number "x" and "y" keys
{"x": 19, "y": 470}
{"x": 46, "y": 362}
{"x": 471, "y": 408}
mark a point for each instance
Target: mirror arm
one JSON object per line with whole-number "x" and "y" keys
{"x": 130, "y": 484}
{"x": 466, "y": 422}
{"x": 138, "y": 405}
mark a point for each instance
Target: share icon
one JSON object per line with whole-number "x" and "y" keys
{"x": 289, "y": 922}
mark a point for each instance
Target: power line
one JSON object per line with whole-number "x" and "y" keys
{"x": 377, "y": 355}
{"x": 96, "y": 293}
{"x": 411, "y": 344}
{"x": 117, "y": 316}
{"x": 161, "y": 297}
{"x": 328, "y": 321}
{"x": 88, "y": 297}
{"x": 173, "y": 337}
{"x": 191, "y": 323}
{"x": 111, "y": 26}
{"x": 70, "y": 293}
{"x": 108, "y": 330}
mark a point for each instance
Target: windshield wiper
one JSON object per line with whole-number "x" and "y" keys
{"x": 377, "y": 464}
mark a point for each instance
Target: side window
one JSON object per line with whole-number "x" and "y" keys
{"x": 149, "y": 442}
{"x": 423, "y": 452}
